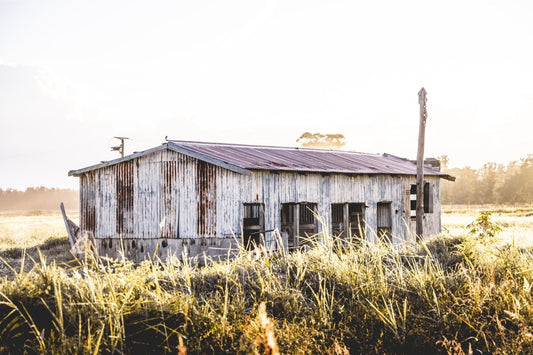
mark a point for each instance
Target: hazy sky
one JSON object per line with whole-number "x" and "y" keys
{"x": 73, "y": 74}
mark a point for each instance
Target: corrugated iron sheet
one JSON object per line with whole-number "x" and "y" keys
{"x": 305, "y": 160}
{"x": 242, "y": 158}
{"x": 124, "y": 188}
{"x": 206, "y": 189}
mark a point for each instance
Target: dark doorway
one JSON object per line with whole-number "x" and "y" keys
{"x": 337, "y": 220}
{"x": 253, "y": 224}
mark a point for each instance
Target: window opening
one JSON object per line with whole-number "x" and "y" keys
{"x": 356, "y": 219}
{"x": 427, "y": 202}
{"x": 412, "y": 198}
{"x": 253, "y": 224}
{"x": 428, "y": 198}
{"x": 298, "y": 221}
{"x": 347, "y": 219}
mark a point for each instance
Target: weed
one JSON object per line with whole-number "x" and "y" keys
{"x": 483, "y": 226}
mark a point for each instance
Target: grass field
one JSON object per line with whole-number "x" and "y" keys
{"x": 454, "y": 294}
{"x": 30, "y": 232}
{"x": 516, "y": 222}
{"x": 25, "y": 229}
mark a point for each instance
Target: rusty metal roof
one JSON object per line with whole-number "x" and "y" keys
{"x": 243, "y": 158}
{"x": 254, "y": 157}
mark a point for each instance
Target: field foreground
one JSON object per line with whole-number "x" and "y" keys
{"x": 456, "y": 293}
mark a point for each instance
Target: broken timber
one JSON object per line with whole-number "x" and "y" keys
{"x": 72, "y": 228}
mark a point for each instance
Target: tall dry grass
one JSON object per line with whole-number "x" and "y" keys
{"x": 450, "y": 294}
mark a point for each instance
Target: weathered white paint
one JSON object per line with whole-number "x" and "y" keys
{"x": 166, "y": 195}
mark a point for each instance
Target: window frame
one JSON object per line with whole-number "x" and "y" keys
{"x": 427, "y": 201}
{"x": 251, "y": 233}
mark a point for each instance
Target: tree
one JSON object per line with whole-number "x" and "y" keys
{"x": 488, "y": 176}
{"x": 321, "y": 141}
{"x": 464, "y": 190}
{"x": 37, "y": 198}
{"x": 518, "y": 184}
{"x": 493, "y": 183}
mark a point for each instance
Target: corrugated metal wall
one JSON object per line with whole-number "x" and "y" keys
{"x": 170, "y": 195}
{"x": 273, "y": 189}
{"x": 88, "y": 193}
{"x": 206, "y": 189}
{"x": 124, "y": 190}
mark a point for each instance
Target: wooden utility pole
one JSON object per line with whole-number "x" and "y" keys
{"x": 120, "y": 148}
{"x": 420, "y": 165}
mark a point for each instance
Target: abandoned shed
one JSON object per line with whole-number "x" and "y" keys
{"x": 202, "y": 197}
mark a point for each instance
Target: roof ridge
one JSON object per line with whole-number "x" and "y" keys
{"x": 177, "y": 141}
{"x": 243, "y": 159}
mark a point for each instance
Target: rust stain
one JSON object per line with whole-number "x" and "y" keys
{"x": 124, "y": 191}
{"x": 168, "y": 172}
{"x": 206, "y": 189}
{"x": 88, "y": 217}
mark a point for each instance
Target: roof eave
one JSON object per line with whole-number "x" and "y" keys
{"x": 78, "y": 172}
{"x": 171, "y": 146}
{"x": 448, "y": 177}
{"x": 218, "y": 161}
{"x": 349, "y": 172}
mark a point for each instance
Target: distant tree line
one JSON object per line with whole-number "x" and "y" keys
{"x": 492, "y": 184}
{"x": 38, "y": 198}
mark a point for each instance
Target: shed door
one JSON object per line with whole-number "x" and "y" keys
{"x": 384, "y": 221}
{"x": 337, "y": 219}
{"x": 356, "y": 216}
{"x": 289, "y": 224}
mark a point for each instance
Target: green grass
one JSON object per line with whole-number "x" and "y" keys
{"x": 451, "y": 294}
